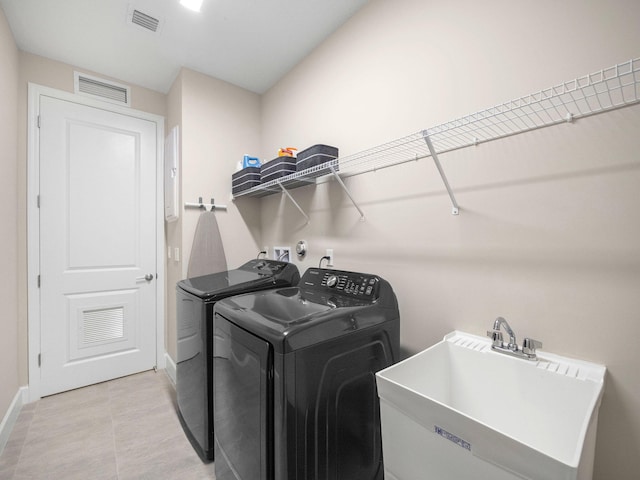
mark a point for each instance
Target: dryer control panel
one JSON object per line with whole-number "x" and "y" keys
{"x": 360, "y": 285}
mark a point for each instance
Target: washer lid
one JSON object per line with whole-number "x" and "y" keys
{"x": 284, "y": 308}
{"x": 297, "y": 317}
{"x": 250, "y": 276}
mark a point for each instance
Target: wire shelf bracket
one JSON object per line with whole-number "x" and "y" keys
{"x": 335, "y": 175}
{"x": 455, "y": 209}
{"x": 346, "y": 190}
{"x": 286, "y": 192}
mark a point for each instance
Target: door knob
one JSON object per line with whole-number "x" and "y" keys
{"x": 148, "y": 277}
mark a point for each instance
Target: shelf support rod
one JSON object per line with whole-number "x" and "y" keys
{"x": 346, "y": 190}
{"x": 455, "y": 210}
{"x": 286, "y": 192}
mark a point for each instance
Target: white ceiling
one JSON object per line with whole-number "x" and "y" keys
{"x": 250, "y": 43}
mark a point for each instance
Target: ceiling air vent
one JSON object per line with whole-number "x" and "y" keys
{"x": 145, "y": 21}
{"x": 102, "y": 89}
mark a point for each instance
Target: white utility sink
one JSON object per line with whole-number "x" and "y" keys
{"x": 460, "y": 410}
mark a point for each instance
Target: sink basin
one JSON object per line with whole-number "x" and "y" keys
{"x": 460, "y": 410}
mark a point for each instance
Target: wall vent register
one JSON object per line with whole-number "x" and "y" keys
{"x": 145, "y": 21}
{"x": 102, "y": 89}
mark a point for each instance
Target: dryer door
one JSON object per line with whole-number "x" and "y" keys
{"x": 243, "y": 403}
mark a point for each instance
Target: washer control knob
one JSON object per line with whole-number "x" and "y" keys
{"x": 332, "y": 281}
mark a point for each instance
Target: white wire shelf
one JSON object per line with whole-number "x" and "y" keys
{"x": 598, "y": 92}
{"x": 293, "y": 180}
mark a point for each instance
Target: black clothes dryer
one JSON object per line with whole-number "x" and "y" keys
{"x": 195, "y": 298}
{"x": 294, "y": 383}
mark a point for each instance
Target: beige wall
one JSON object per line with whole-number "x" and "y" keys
{"x": 54, "y": 74}
{"x": 219, "y": 123}
{"x": 173, "y": 230}
{"x": 9, "y": 382}
{"x": 549, "y": 230}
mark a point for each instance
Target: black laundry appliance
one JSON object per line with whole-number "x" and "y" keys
{"x": 195, "y": 298}
{"x": 294, "y": 384}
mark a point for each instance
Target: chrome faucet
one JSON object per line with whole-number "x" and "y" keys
{"x": 501, "y": 322}
{"x": 529, "y": 345}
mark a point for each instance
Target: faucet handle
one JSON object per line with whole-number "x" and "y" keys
{"x": 496, "y": 337}
{"x": 529, "y": 346}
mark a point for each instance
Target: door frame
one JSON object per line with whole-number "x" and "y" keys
{"x": 36, "y": 91}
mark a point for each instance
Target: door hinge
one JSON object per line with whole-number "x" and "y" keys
{"x": 38, "y": 121}
{"x": 39, "y": 359}
{"x": 38, "y": 281}
{"x": 38, "y": 200}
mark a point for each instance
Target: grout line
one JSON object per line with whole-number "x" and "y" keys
{"x": 30, "y": 421}
{"x": 113, "y": 431}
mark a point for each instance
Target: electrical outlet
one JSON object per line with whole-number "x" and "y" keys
{"x": 330, "y": 255}
{"x": 265, "y": 249}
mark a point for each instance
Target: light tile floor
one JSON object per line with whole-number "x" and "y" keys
{"x": 123, "y": 429}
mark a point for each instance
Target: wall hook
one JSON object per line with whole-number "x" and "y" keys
{"x": 206, "y": 206}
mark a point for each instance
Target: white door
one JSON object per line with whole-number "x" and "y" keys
{"x": 97, "y": 245}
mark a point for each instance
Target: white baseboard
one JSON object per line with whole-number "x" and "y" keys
{"x": 170, "y": 368}
{"x": 11, "y": 416}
